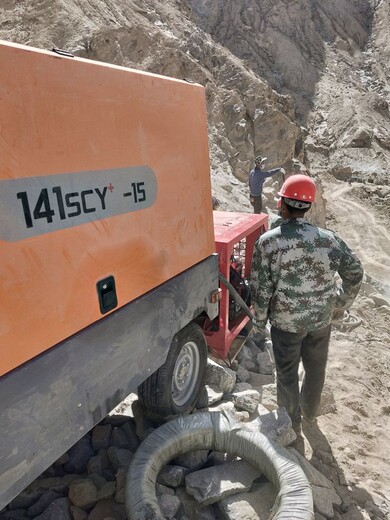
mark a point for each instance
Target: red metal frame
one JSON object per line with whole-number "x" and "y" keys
{"x": 235, "y": 234}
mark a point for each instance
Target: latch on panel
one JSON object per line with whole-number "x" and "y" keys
{"x": 107, "y": 294}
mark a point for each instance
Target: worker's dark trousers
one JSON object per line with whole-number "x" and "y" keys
{"x": 257, "y": 203}
{"x": 288, "y": 349}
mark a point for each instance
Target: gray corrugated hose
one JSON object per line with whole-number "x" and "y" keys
{"x": 215, "y": 431}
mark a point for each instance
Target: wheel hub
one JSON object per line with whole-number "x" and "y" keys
{"x": 185, "y": 373}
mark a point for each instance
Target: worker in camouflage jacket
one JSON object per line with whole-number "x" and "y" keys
{"x": 293, "y": 286}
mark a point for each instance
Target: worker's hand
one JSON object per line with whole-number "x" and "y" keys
{"x": 259, "y": 324}
{"x": 338, "y": 315}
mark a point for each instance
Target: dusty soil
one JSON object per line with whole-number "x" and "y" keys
{"x": 358, "y": 433}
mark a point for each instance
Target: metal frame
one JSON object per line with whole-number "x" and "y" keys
{"x": 235, "y": 233}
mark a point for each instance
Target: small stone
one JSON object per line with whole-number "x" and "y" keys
{"x": 79, "y": 456}
{"x": 98, "y": 480}
{"x": 245, "y": 355}
{"x": 253, "y": 348}
{"x": 172, "y": 475}
{"x": 106, "y": 491}
{"x": 83, "y": 493}
{"x": 275, "y": 425}
{"x": 169, "y": 505}
{"x": 192, "y": 508}
{"x": 61, "y": 460}
{"x": 143, "y": 425}
{"x": 25, "y": 499}
{"x": 120, "y": 494}
{"x": 268, "y": 397}
{"x": 260, "y": 336}
{"x": 265, "y": 363}
{"x": 95, "y": 465}
{"x": 209, "y": 395}
{"x": 42, "y": 503}
{"x": 242, "y": 374}
{"x": 323, "y": 499}
{"x": 379, "y": 299}
{"x": 101, "y": 436}
{"x": 119, "y": 457}
{"x": 13, "y": 514}
{"x": 130, "y": 430}
{"x": 163, "y": 490}
{"x": 216, "y": 457}
{"x": 77, "y": 513}
{"x": 246, "y": 400}
{"x": 212, "y": 484}
{"x": 222, "y": 377}
{"x": 192, "y": 460}
{"x": 119, "y": 439}
{"x": 342, "y": 479}
{"x": 229, "y": 409}
{"x": 349, "y": 453}
{"x": 328, "y": 403}
{"x": 58, "y": 510}
{"x": 258, "y": 380}
{"x": 240, "y": 387}
{"x": 105, "y": 509}
{"x": 254, "y": 505}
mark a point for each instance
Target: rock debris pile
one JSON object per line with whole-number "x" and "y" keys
{"x": 88, "y": 481}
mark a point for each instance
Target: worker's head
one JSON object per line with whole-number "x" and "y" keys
{"x": 260, "y": 161}
{"x": 297, "y": 195}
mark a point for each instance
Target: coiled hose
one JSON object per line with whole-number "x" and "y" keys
{"x": 215, "y": 431}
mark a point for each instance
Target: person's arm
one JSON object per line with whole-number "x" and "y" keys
{"x": 269, "y": 173}
{"x": 261, "y": 284}
{"x": 351, "y": 273}
{"x": 250, "y": 182}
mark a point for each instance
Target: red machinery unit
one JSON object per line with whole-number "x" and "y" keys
{"x": 235, "y": 236}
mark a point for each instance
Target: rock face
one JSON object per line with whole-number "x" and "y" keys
{"x": 331, "y": 57}
{"x": 284, "y": 42}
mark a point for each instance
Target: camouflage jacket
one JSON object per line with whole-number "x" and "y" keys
{"x": 293, "y": 276}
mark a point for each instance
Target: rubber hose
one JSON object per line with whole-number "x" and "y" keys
{"x": 237, "y": 298}
{"x": 215, "y": 431}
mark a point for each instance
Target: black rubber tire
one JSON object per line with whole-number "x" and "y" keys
{"x": 161, "y": 394}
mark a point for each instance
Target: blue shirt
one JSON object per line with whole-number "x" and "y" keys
{"x": 257, "y": 178}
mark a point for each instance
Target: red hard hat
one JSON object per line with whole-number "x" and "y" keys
{"x": 299, "y": 187}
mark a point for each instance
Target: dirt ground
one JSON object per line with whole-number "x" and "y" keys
{"x": 358, "y": 433}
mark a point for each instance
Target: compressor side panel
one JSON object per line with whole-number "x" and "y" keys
{"x": 105, "y": 193}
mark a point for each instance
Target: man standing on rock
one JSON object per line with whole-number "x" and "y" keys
{"x": 293, "y": 285}
{"x": 256, "y": 180}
